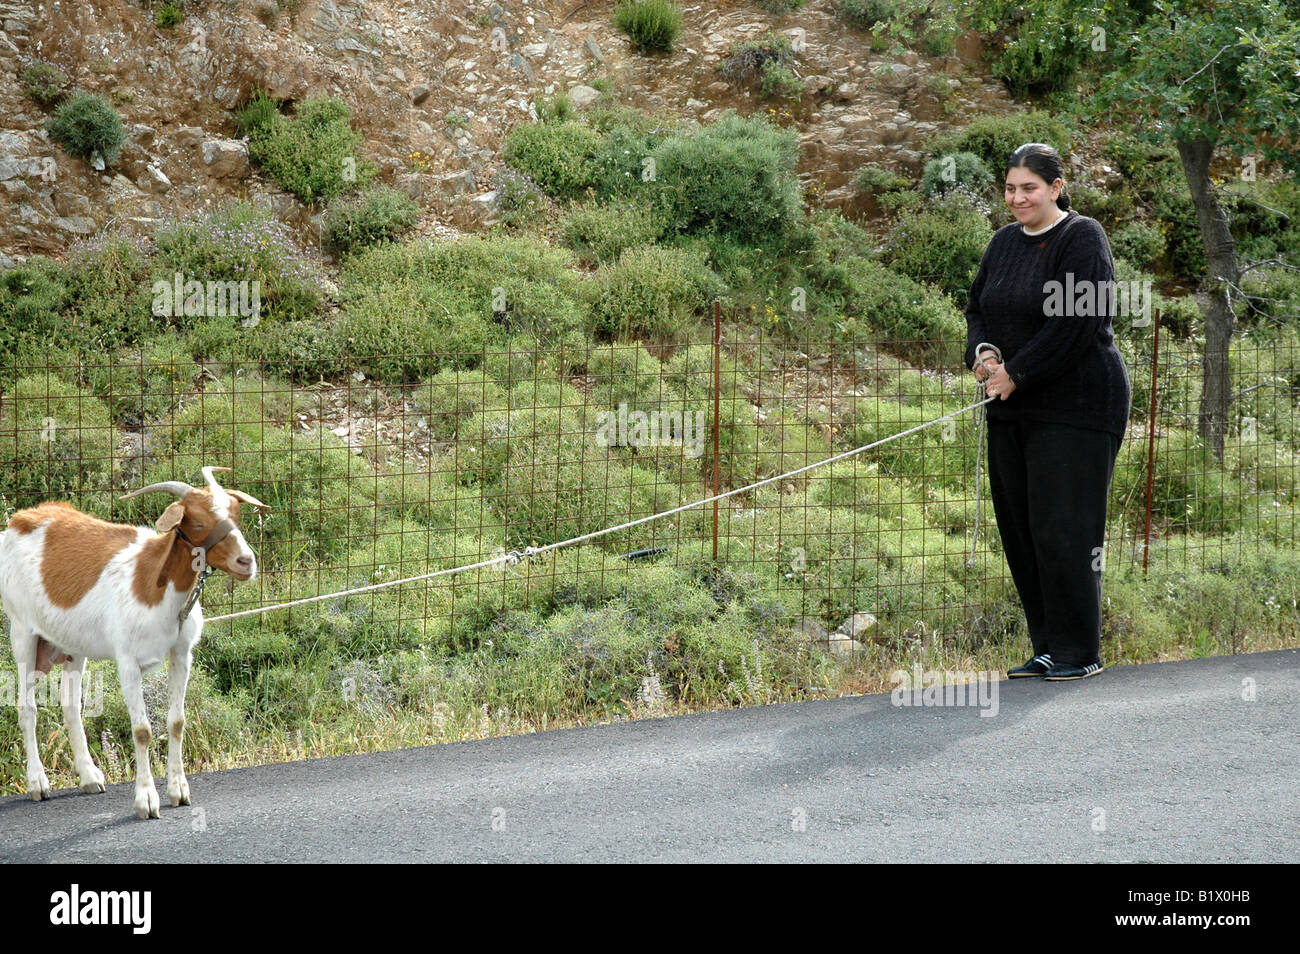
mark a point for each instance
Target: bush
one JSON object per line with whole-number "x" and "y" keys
{"x": 651, "y": 25}
{"x": 31, "y": 300}
{"x": 559, "y": 157}
{"x": 913, "y": 321}
{"x": 734, "y": 178}
{"x": 747, "y": 60}
{"x": 316, "y": 154}
{"x": 651, "y": 291}
{"x": 87, "y": 125}
{"x": 380, "y": 214}
{"x": 778, "y": 80}
{"x": 960, "y": 169}
{"x": 237, "y": 243}
{"x": 1140, "y": 243}
{"x": 168, "y": 15}
{"x": 520, "y": 202}
{"x": 865, "y": 14}
{"x": 43, "y": 83}
{"x": 141, "y": 384}
{"x": 600, "y": 233}
{"x": 995, "y": 138}
{"x": 941, "y": 245}
{"x": 629, "y": 138}
{"x": 257, "y": 116}
{"x": 107, "y": 294}
{"x": 56, "y": 443}
{"x": 873, "y": 179}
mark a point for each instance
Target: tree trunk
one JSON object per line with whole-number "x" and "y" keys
{"x": 1222, "y": 277}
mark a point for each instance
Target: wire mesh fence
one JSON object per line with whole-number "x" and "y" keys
{"x": 414, "y": 463}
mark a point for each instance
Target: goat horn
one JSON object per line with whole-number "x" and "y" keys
{"x": 177, "y": 487}
{"x": 207, "y": 475}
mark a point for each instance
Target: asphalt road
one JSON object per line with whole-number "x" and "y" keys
{"x": 1157, "y": 763}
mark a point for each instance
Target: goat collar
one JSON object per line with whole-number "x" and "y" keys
{"x": 222, "y": 530}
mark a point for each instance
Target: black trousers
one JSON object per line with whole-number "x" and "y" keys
{"x": 1049, "y": 484}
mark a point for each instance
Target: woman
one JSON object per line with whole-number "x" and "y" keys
{"x": 1044, "y": 296}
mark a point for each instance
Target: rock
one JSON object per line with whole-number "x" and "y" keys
{"x": 226, "y": 158}
{"x": 71, "y": 204}
{"x": 842, "y": 647}
{"x": 519, "y": 63}
{"x": 155, "y": 180}
{"x": 420, "y": 94}
{"x": 583, "y": 96}
{"x": 856, "y": 625}
{"x": 76, "y": 224}
{"x": 457, "y": 183}
{"x": 533, "y": 50}
{"x": 594, "y": 49}
{"x": 846, "y": 92}
{"x": 812, "y": 629}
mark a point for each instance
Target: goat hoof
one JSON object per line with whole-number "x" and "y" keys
{"x": 38, "y": 787}
{"x": 92, "y": 781}
{"x": 180, "y": 796}
{"x": 146, "y": 802}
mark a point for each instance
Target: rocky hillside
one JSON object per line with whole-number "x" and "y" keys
{"x": 403, "y": 68}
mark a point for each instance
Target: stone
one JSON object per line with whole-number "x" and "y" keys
{"x": 583, "y": 96}
{"x": 842, "y": 647}
{"x": 856, "y": 625}
{"x": 594, "y": 49}
{"x": 155, "y": 180}
{"x": 72, "y": 204}
{"x": 76, "y": 224}
{"x": 420, "y": 94}
{"x": 533, "y": 50}
{"x": 226, "y": 158}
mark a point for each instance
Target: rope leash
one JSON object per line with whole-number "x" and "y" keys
{"x": 514, "y": 557}
{"x": 981, "y": 419}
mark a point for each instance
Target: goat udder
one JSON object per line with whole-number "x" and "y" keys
{"x": 48, "y": 656}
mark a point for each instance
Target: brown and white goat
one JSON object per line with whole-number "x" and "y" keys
{"x": 75, "y": 588}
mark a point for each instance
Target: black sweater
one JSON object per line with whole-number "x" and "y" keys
{"x": 1065, "y": 366}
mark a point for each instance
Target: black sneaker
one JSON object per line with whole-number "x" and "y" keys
{"x": 1038, "y": 666}
{"x": 1062, "y": 673}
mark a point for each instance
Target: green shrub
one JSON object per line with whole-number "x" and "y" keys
{"x": 734, "y": 178}
{"x": 1138, "y": 242}
{"x": 257, "y": 116}
{"x": 452, "y": 396}
{"x": 940, "y": 245}
{"x": 995, "y": 138}
{"x": 31, "y": 300}
{"x": 43, "y": 83}
{"x": 651, "y": 291}
{"x": 957, "y": 170}
{"x": 236, "y": 242}
{"x": 873, "y": 179}
{"x": 747, "y": 60}
{"x": 1044, "y": 50}
{"x": 380, "y": 214}
{"x": 907, "y": 318}
{"x": 107, "y": 293}
{"x": 315, "y": 154}
{"x": 865, "y": 14}
{"x": 558, "y": 156}
{"x": 520, "y": 202}
{"x": 628, "y": 138}
{"x": 168, "y": 15}
{"x": 559, "y": 109}
{"x": 87, "y": 125}
{"x": 779, "y": 81}
{"x": 600, "y": 233}
{"x": 651, "y": 25}
{"x": 56, "y": 442}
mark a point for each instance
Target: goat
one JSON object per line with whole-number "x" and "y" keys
{"x": 75, "y": 588}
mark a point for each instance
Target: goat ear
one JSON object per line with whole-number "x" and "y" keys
{"x": 171, "y": 517}
{"x": 251, "y": 501}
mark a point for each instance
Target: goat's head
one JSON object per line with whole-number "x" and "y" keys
{"x": 208, "y": 517}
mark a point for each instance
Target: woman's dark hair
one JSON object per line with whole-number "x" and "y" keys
{"x": 1044, "y": 161}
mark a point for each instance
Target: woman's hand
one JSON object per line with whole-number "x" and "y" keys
{"x": 998, "y": 384}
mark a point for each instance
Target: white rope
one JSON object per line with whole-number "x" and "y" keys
{"x": 514, "y": 556}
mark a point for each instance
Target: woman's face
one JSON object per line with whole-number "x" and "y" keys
{"x": 1031, "y": 198}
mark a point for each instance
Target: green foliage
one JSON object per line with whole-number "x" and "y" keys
{"x": 380, "y": 214}
{"x": 559, "y": 109}
{"x": 235, "y": 242}
{"x": 940, "y": 245}
{"x": 520, "y": 201}
{"x": 865, "y": 14}
{"x": 315, "y": 154}
{"x": 1044, "y": 50}
{"x": 748, "y": 60}
{"x": 56, "y": 443}
{"x": 558, "y": 156}
{"x": 600, "y": 233}
{"x": 1138, "y": 242}
{"x": 958, "y": 170}
{"x": 651, "y": 291}
{"x": 141, "y": 384}
{"x": 650, "y": 25}
{"x": 258, "y": 115}
{"x": 778, "y": 81}
{"x": 31, "y": 298}
{"x": 168, "y": 15}
{"x": 995, "y": 138}
{"x": 883, "y": 306}
{"x": 877, "y": 180}
{"x": 733, "y": 178}
{"x": 43, "y": 83}
{"x": 87, "y": 124}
